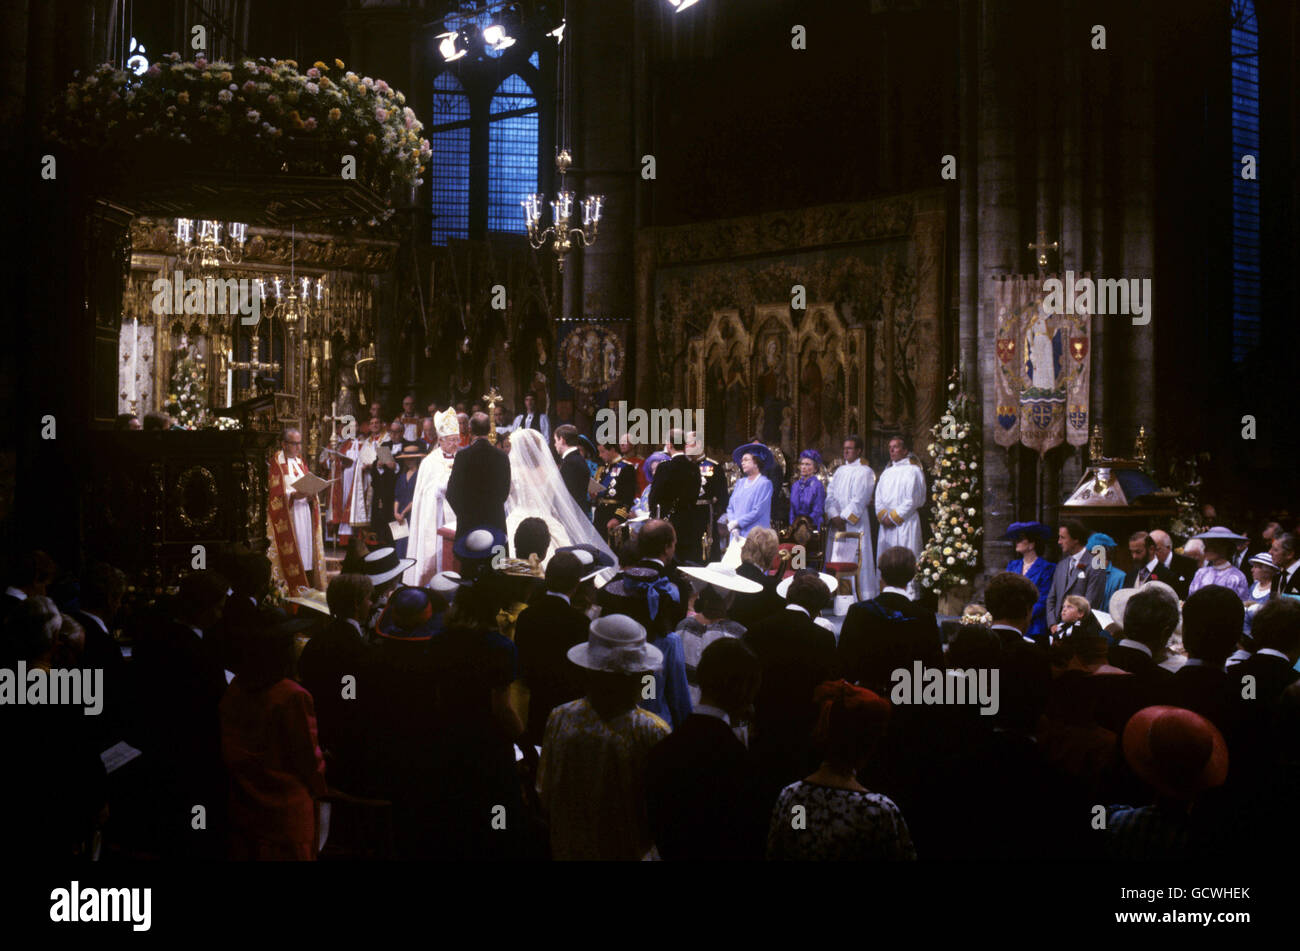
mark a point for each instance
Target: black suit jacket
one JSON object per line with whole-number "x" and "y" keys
{"x": 702, "y": 795}
{"x": 796, "y": 655}
{"x": 872, "y": 645}
{"x": 675, "y": 489}
{"x": 1272, "y": 676}
{"x": 478, "y": 487}
{"x": 1290, "y": 587}
{"x": 1201, "y": 689}
{"x": 576, "y": 475}
{"x": 336, "y": 650}
{"x": 749, "y": 609}
{"x": 1178, "y": 575}
{"x": 102, "y": 653}
{"x": 544, "y": 632}
{"x": 1137, "y": 662}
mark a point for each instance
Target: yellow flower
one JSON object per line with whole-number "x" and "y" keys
{"x": 338, "y": 63}
{"x": 183, "y": 98}
{"x": 319, "y": 65}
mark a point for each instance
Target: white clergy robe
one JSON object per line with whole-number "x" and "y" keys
{"x": 848, "y": 498}
{"x": 359, "y": 494}
{"x": 300, "y": 517}
{"x": 900, "y": 495}
{"x": 429, "y": 512}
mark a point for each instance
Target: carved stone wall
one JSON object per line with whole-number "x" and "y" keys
{"x": 716, "y": 328}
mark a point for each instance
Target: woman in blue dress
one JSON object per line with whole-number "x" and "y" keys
{"x": 807, "y": 494}
{"x": 1114, "y": 576}
{"x": 1029, "y": 538}
{"x": 751, "y": 499}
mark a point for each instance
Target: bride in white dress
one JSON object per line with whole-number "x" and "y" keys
{"x": 536, "y": 489}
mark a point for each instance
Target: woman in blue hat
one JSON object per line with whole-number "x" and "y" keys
{"x": 807, "y": 494}
{"x": 1029, "y": 538}
{"x": 1114, "y": 576}
{"x": 751, "y": 500}
{"x": 642, "y": 505}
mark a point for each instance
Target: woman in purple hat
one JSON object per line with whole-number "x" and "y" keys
{"x": 1220, "y": 546}
{"x": 1029, "y": 538}
{"x": 807, "y": 494}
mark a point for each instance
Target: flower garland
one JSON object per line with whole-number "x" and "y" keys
{"x": 949, "y": 560}
{"x": 246, "y": 113}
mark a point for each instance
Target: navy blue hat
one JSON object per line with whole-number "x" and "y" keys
{"x": 408, "y": 616}
{"x": 479, "y": 544}
{"x": 762, "y": 455}
{"x": 588, "y": 445}
{"x": 1031, "y": 529}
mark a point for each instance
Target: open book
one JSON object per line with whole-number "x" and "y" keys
{"x": 311, "y": 484}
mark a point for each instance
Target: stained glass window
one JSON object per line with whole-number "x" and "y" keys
{"x": 1245, "y": 191}
{"x": 512, "y": 154}
{"x": 449, "y": 165}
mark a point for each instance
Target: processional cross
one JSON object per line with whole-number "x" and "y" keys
{"x": 492, "y": 397}
{"x": 254, "y": 365}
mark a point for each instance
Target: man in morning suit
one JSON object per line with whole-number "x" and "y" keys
{"x": 1178, "y": 569}
{"x": 1285, "y": 556}
{"x": 796, "y": 655}
{"x": 573, "y": 467}
{"x": 1074, "y": 574}
{"x": 673, "y": 494}
{"x": 702, "y": 799}
{"x": 889, "y": 632}
{"x": 544, "y": 632}
{"x": 656, "y": 545}
{"x": 480, "y": 482}
{"x": 1150, "y": 618}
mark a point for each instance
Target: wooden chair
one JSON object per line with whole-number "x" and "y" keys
{"x": 845, "y": 570}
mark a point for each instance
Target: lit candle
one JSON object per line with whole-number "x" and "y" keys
{"x": 135, "y": 358}
{"x": 230, "y": 393}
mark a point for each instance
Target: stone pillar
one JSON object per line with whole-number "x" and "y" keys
{"x": 996, "y": 232}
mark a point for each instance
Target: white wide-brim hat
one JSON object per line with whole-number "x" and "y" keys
{"x": 616, "y": 643}
{"x": 721, "y": 576}
{"x": 311, "y": 598}
{"x": 831, "y": 582}
{"x": 1263, "y": 558}
{"x": 446, "y": 583}
{"x": 1219, "y": 531}
{"x": 382, "y": 565}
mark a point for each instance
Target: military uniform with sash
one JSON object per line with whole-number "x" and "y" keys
{"x": 709, "y": 507}
{"x": 617, "y": 493}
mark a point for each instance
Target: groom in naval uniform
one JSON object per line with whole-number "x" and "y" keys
{"x": 617, "y": 479}
{"x": 480, "y": 482}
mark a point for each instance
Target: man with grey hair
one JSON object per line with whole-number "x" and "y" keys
{"x": 1174, "y": 570}
{"x": 1150, "y": 618}
{"x": 1285, "y": 556}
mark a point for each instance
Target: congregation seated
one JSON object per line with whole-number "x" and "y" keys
{"x": 889, "y": 632}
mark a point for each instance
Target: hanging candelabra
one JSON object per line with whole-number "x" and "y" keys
{"x": 562, "y": 234}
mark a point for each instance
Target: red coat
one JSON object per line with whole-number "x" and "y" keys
{"x": 269, "y": 743}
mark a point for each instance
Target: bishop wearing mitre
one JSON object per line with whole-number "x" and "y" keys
{"x": 293, "y": 520}
{"x": 429, "y": 510}
{"x": 847, "y": 507}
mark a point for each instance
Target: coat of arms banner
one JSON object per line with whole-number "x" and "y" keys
{"x": 1042, "y": 369}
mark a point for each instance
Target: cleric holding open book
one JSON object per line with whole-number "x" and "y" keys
{"x": 293, "y": 520}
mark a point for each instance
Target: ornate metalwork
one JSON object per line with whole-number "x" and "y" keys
{"x": 184, "y": 501}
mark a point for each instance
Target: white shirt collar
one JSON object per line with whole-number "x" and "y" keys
{"x": 902, "y": 462}
{"x": 889, "y": 589}
{"x": 355, "y": 623}
{"x": 1168, "y": 561}
{"x": 1273, "y": 653}
{"x": 16, "y": 593}
{"x": 569, "y": 450}
{"x": 1005, "y": 627}
{"x": 707, "y": 711}
{"x": 1289, "y": 570}
{"x": 97, "y": 619}
{"x": 1136, "y": 645}
{"x": 561, "y": 596}
{"x": 658, "y": 561}
{"x": 798, "y": 607}
{"x": 1151, "y": 565}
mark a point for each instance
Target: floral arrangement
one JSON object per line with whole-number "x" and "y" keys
{"x": 185, "y": 391}
{"x": 949, "y": 560}
{"x": 223, "y": 423}
{"x": 251, "y": 113}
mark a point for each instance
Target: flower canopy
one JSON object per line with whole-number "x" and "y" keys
{"x": 949, "y": 560}
{"x": 261, "y": 115}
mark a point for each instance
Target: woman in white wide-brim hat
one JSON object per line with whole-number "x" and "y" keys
{"x": 1220, "y": 546}
{"x": 1262, "y": 570}
{"x": 596, "y": 750}
{"x": 715, "y": 590}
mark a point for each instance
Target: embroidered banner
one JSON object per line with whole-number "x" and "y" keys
{"x": 1042, "y": 367}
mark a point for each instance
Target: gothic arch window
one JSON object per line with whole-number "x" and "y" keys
{"x": 449, "y": 164}
{"x": 1245, "y": 191}
{"x": 485, "y": 138}
{"x": 512, "y": 153}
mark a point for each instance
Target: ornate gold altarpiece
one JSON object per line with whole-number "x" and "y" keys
{"x": 865, "y": 354}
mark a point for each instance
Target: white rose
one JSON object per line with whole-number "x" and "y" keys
{"x": 951, "y": 561}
